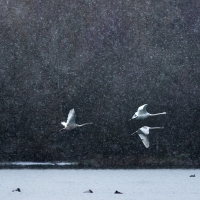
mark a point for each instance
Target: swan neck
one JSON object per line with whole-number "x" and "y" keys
{"x": 156, "y": 127}
{"x": 163, "y": 113}
{"x": 79, "y": 125}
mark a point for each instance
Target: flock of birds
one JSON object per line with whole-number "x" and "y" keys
{"x": 90, "y": 191}
{"x": 141, "y": 113}
{"x": 143, "y": 132}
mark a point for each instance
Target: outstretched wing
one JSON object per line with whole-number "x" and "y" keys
{"x": 145, "y": 130}
{"x": 142, "y": 109}
{"x": 64, "y": 124}
{"x": 71, "y": 117}
{"x": 145, "y": 139}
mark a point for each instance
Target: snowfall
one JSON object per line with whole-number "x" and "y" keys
{"x": 62, "y": 184}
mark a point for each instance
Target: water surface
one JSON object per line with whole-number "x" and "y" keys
{"x": 55, "y": 184}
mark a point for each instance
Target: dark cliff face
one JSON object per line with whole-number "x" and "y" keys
{"x": 105, "y": 59}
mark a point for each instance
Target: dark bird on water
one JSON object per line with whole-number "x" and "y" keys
{"x": 88, "y": 191}
{"x": 117, "y": 192}
{"x": 17, "y": 190}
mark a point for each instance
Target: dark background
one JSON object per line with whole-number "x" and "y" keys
{"x": 104, "y": 59}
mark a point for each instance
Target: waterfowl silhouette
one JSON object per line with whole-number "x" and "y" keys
{"x": 88, "y": 191}
{"x": 144, "y": 134}
{"x": 70, "y": 124}
{"x": 192, "y": 175}
{"x": 142, "y": 113}
{"x": 117, "y": 192}
{"x": 17, "y": 190}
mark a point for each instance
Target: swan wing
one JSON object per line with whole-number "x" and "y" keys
{"x": 71, "y": 117}
{"x": 64, "y": 124}
{"x": 142, "y": 109}
{"x": 145, "y": 139}
{"x": 145, "y": 130}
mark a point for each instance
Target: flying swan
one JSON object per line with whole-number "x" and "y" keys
{"x": 144, "y": 134}
{"x": 70, "y": 124}
{"x": 142, "y": 113}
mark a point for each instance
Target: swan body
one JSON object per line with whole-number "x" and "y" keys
{"x": 70, "y": 124}
{"x": 143, "y": 133}
{"x": 142, "y": 113}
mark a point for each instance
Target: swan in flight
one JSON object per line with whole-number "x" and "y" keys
{"x": 142, "y": 113}
{"x": 144, "y": 134}
{"x": 70, "y": 124}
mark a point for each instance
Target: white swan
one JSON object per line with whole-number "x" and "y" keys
{"x": 142, "y": 113}
{"x": 70, "y": 124}
{"x": 144, "y": 134}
